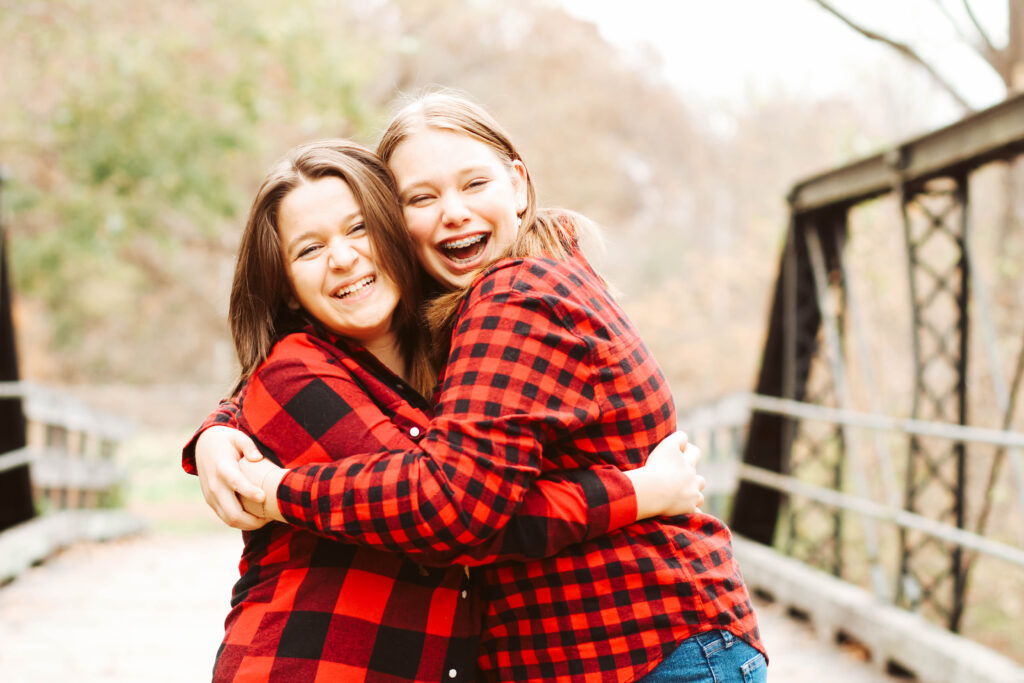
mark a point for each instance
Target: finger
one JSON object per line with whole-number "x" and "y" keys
{"x": 701, "y": 483}
{"x": 240, "y": 484}
{"x": 252, "y": 454}
{"x": 231, "y": 512}
{"x": 680, "y": 439}
{"x": 247, "y": 522}
{"x": 254, "y": 509}
{"x": 246, "y": 447}
{"x": 693, "y": 453}
{"x": 244, "y": 520}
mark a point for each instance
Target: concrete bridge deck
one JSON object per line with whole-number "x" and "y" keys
{"x": 151, "y": 608}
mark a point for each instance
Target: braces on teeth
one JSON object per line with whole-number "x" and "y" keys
{"x": 464, "y": 242}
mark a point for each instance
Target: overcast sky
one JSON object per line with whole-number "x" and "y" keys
{"x": 724, "y": 50}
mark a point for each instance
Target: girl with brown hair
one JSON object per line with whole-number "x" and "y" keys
{"x": 324, "y": 316}
{"x": 544, "y": 373}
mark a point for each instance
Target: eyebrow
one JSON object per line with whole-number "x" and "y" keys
{"x": 417, "y": 182}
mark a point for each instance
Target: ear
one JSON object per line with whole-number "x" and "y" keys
{"x": 520, "y": 181}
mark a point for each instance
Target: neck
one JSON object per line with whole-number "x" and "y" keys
{"x": 386, "y": 350}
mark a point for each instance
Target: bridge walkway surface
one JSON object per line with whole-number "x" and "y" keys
{"x": 150, "y": 608}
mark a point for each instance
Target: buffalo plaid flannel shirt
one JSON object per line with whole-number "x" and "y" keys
{"x": 308, "y": 608}
{"x": 545, "y": 373}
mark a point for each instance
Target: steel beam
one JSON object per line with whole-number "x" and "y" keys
{"x": 989, "y": 135}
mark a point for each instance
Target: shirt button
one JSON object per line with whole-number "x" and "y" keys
{"x": 452, "y": 673}
{"x": 414, "y": 432}
{"x": 464, "y": 593}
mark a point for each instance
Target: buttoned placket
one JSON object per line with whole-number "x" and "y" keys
{"x": 453, "y": 672}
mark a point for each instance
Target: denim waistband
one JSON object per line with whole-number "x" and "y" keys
{"x": 713, "y": 641}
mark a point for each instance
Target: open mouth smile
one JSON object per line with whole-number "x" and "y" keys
{"x": 355, "y": 288}
{"x": 464, "y": 250}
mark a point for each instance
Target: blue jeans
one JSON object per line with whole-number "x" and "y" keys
{"x": 711, "y": 657}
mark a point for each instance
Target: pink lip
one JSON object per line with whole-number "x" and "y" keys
{"x": 361, "y": 294}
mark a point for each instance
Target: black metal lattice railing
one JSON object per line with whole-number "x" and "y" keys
{"x": 923, "y": 560}
{"x": 932, "y": 573}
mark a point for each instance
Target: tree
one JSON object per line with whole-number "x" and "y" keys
{"x": 1007, "y": 61}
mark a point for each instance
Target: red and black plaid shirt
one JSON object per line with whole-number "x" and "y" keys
{"x": 546, "y": 373}
{"x": 307, "y": 608}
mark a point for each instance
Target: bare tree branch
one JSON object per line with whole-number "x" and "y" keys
{"x": 984, "y": 36}
{"x": 980, "y": 42}
{"x": 905, "y": 50}
{"x": 954, "y": 23}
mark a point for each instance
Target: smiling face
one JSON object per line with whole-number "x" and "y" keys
{"x": 330, "y": 264}
{"x": 461, "y": 201}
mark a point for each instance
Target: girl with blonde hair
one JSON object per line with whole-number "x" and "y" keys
{"x": 544, "y": 373}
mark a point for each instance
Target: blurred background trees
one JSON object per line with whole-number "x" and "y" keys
{"x": 134, "y": 134}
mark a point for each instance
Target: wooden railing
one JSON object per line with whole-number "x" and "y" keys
{"x": 70, "y": 449}
{"x": 76, "y": 481}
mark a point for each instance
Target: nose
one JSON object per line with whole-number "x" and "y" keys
{"x": 341, "y": 255}
{"x": 453, "y": 210}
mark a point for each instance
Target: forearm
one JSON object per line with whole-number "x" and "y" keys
{"x": 472, "y": 470}
{"x": 559, "y": 511}
{"x": 413, "y": 502}
{"x": 225, "y": 414}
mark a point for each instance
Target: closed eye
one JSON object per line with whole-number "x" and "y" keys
{"x": 307, "y": 250}
{"x": 418, "y": 200}
{"x": 357, "y": 229}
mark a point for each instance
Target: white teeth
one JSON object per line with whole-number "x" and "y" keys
{"x": 355, "y": 287}
{"x": 464, "y": 242}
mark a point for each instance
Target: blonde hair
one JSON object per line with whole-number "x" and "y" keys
{"x": 543, "y": 232}
{"x": 258, "y": 310}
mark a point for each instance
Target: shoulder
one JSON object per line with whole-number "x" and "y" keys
{"x": 536, "y": 277}
{"x": 297, "y": 344}
{"x": 539, "y": 296}
{"x": 300, "y": 352}
{"x": 299, "y": 363}
{"x": 563, "y": 297}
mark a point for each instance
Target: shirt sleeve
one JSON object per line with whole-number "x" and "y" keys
{"x": 225, "y": 414}
{"x": 307, "y": 411}
{"x": 516, "y": 380}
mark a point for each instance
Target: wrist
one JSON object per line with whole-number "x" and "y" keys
{"x": 646, "y": 491}
{"x": 269, "y": 484}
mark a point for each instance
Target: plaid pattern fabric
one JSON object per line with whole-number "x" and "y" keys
{"x": 307, "y": 608}
{"x": 545, "y": 373}
{"x": 225, "y": 414}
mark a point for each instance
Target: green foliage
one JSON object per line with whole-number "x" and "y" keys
{"x": 135, "y": 134}
{"x": 146, "y": 129}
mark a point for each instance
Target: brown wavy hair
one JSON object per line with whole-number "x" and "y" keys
{"x": 258, "y": 310}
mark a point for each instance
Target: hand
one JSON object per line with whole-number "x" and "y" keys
{"x": 668, "y": 483}
{"x": 217, "y": 460}
{"x": 267, "y": 476}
